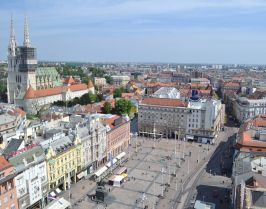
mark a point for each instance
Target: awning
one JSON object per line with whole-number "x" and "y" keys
{"x": 80, "y": 175}
{"x": 58, "y": 190}
{"x": 189, "y": 137}
{"x": 52, "y": 194}
{"x": 58, "y": 204}
{"x": 109, "y": 163}
{"x": 122, "y": 154}
{"x": 100, "y": 171}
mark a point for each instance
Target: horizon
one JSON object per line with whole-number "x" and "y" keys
{"x": 127, "y": 31}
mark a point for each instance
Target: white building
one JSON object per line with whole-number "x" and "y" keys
{"x": 31, "y": 176}
{"x": 198, "y": 120}
{"x": 99, "y": 81}
{"x": 120, "y": 80}
{"x": 92, "y": 134}
{"x": 204, "y": 120}
{"x": 245, "y": 108}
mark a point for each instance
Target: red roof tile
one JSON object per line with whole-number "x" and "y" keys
{"x": 4, "y": 164}
{"x": 31, "y": 93}
{"x": 69, "y": 80}
{"x": 164, "y": 102}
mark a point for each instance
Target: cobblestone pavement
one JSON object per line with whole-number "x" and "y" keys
{"x": 152, "y": 180}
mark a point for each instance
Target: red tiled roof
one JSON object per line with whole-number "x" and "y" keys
{"x": 199, "y": 85}
{"x": 4, "y": 164}
{"x": 20, "y": 111}
{"x": 164, "y": 102}
{"x": 231, "y": 84}
{"x": 127, "y": 95}
{"x": 31, "y": 93}
{"x": 69, "y": 80}
{"x": 78, "y": 87}
{"x": 245, "y": 140}
{"x": 111, "y": 120}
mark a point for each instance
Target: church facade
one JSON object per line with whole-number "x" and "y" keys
{"x": 30, "y": 86}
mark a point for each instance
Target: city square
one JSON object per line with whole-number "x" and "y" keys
{"x": 151, "y": 174}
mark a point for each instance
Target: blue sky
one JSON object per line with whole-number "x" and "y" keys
{"x": 183, "y": 31}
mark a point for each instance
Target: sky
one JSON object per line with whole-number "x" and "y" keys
{"x": 171, "y": 31}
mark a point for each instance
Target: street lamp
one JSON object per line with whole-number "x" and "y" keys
{"x": 162, "y": 171}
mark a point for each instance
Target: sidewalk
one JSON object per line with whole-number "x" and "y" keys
{"x": 78, "y": 192}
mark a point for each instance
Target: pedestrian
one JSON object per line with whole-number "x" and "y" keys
{"x": 109, "y": 189}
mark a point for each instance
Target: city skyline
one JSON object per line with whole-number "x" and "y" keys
{"x": 140, "y": 31}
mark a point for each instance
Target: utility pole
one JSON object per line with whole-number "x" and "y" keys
{"x": 183, "y": 150}
{"x": 175, "y": 144}
{"x": 136, "y": 136}
{"x": 154, "y": 195}
{"x": 169, "y": 175}
{"x": 162, "y": 170}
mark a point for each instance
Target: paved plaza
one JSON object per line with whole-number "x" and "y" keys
{"x": 157, "y": 171}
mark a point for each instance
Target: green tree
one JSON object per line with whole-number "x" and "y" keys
{"x": 99, "y": 97}
{"x": 88, "y": 98}
{"x": 107, "y": 107}
{"x": 108, "y": 79}
{"x": 123, "y": 106}
{"x": 118, "y": 92}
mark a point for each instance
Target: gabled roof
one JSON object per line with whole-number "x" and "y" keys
{"x": 30, "y": 93}
{"x": 4, "y": 164}
{"x": 13, "y": 145}
{"x": 90, "y": 84}
{"x": 69, "y": 80}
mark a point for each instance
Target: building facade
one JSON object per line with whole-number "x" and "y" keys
{"x": 63, "y": 157}
{"x": 245, "y": 108}
{"x": 31, "y": 176}
{"x": 118, "y": 135}
{"x": 162, "y": 116}
{"x": 8, "y": 194}
{"x": 194, "y": 120}
{"x": 93, "y": 141}
{"x": 120, "y": 80}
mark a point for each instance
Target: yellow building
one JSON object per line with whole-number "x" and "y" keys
{"x": 63, "y": 162}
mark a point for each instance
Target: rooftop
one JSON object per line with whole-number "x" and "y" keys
{"x": 167, "y": 92}
{"x": 4, "y": 164}
{"x": 164, "y": 102}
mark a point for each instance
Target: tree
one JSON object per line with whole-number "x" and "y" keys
{"x": 108, "y": 79}
{"x": 107, "y": 107}
{"x": 123, "y": 106}
{"x": 118, "y": 92}
{"x": 88, "y": 98}
{"x": 99, "y": 97}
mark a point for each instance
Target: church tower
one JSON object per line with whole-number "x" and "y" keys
{"x": 22, "y": 64}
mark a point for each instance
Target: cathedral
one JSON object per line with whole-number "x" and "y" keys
{"x": 30, "y": 86}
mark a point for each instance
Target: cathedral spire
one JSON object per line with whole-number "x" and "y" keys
{"x": 26, "y": 33}
{"x": 12, "y": 39}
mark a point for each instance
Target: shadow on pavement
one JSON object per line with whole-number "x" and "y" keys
{"x": 221, "y": 161}
{"x": 217, "y": 195}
